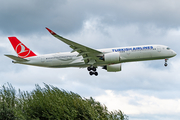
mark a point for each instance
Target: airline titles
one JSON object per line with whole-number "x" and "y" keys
{"x": 133, "y": 49}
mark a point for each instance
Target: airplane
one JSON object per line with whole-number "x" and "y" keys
{"x": 85, "y": 57}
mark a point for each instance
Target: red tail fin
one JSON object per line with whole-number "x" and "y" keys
{"x": 20, "y": 48}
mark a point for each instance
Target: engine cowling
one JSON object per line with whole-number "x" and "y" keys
{"x": 113, "y": 68}
{"x": 113, "y": 57}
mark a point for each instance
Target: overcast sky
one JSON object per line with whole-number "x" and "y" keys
{"x": 142, "y": 90}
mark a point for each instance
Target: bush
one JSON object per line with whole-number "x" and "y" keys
{"x": 51, "y": 103}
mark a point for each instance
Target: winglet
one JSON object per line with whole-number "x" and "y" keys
{"x": 53, "y": 33}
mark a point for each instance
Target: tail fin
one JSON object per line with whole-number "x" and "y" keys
{"x": 20, "y": 48}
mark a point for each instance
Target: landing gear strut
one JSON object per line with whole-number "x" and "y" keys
{"x": 165, "y": 64}
{"x": 92, "y": 70}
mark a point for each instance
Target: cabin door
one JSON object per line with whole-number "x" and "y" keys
{"x": 159, "y": 49}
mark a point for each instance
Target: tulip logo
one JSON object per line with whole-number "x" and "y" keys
{"x": 22, "y": 50}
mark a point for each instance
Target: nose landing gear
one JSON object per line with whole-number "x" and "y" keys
{"x": 93, "y": 72}
{"x": 165, "y": 64}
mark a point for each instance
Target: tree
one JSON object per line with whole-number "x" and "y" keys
{"x": 51, "y": 103}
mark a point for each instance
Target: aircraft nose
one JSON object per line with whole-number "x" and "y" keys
{"x": 174, "y": 53}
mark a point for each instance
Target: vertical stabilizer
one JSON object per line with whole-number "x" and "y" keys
{"x": 20, "y": 48}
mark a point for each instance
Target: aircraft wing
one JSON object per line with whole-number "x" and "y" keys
{"x": 90, "y": 56}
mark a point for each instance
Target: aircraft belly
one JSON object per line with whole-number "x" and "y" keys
{"x": 67, "y": 63}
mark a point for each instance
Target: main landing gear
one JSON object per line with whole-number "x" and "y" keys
{"x": 92, "y": 70}
{"x": 165, "y": 64}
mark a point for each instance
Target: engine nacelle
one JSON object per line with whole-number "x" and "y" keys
{"x": 113, "y": 57}
{"x": 113, "y": 68}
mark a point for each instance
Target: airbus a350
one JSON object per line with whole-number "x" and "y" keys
{"x": 85, "y": 57}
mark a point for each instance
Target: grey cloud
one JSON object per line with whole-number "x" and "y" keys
{"x": 161, "y": 13}
{"x": 65, "y": 16}
{"x": 6, "y": 63}
{"x": 111, "y": 24}
{"x": 24, "y": 16}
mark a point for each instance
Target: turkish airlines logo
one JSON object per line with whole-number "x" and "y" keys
{"x": 22, "y": 50}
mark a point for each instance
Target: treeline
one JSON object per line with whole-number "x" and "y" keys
{"x": 51, "y": 103}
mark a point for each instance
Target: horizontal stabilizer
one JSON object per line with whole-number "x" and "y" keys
{"x": 17, "y": 58}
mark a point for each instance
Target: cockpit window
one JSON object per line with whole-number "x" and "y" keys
{"x": 168, "y": 48}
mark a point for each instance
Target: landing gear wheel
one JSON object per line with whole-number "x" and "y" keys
{"x": 89, "y": 68}
{"x": 91, "y": 73}
{"x": 165, "y": 64}
{"x": 96, "y": 73}
{"x": 94, "y": 69}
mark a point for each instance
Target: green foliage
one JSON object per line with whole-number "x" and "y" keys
{"x": 51, "y": 103}
{"x": 7, "y": 99}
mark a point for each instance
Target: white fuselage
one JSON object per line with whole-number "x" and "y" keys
{"x": 127, "y": 54}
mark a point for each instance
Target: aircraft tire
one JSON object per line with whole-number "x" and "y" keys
{"x": 88, "y": 68}
{"x": 165, "y": 64}
{"x": 94, "y": 69}
{"x": 96, "y": 73}
{"x": 91, "y": 73}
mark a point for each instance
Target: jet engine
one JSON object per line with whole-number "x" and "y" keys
{"x": 113, "y": 68}
{"x": 113, "y": 57}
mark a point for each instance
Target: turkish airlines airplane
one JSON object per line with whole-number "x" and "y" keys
{"x": 81, "y": 56}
